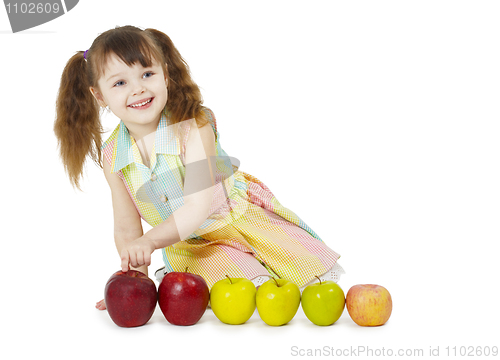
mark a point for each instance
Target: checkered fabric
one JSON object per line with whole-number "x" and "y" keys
{"x": 248, "y": 234}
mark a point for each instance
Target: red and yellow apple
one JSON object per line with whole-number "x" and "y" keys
{"x": 130, "y": 298}
{"x": 369, "y": 304}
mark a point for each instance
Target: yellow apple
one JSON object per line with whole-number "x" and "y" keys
{"x": 277, "y": 301}
{"x": 369, "y": 305}
{"x": 233, "y": 300}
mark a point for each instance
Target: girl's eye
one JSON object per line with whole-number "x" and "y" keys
{"x": 146, "y": 75}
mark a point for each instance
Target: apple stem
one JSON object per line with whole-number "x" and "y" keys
{"x": 186, "y": 268}
{"x": 318, "y": 279}
{"x": 278, "y": 285}
{"x": 229, "y": 279}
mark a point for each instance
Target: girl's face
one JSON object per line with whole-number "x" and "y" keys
{"x": 135, "y": 94}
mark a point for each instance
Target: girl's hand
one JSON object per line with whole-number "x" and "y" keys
{"x": 137, "y": 253}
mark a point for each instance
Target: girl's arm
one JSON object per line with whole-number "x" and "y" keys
{"x": 198, "y": 190}
{"x": 198, "y": 194}
{"x": 127, "y": 221}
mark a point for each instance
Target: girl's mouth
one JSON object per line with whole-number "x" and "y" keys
{"x": 142, "y": 105}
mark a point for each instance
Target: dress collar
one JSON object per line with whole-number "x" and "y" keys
{"x": 125, "y": 150}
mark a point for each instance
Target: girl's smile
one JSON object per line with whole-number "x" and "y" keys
{"x": 142, "y": 104}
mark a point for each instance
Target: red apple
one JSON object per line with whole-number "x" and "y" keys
{"x": 183, "y": 297}
{"x": 369, "y": 305}
{"x": 130, "y": 298}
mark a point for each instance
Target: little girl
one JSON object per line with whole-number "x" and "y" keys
{"x": 164, "y": 163}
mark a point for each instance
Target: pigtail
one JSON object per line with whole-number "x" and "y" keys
{"x": 77, "y": 126}
{"x": 184, "y": 96}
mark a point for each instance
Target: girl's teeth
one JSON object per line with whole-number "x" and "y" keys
{"x": 141, "y": 104}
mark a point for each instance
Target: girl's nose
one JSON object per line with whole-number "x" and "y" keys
{"x": 138, "y": 89}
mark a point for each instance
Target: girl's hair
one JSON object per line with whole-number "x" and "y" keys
{"x": 77, "y": 125}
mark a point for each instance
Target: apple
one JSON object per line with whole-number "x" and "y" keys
{"x": 369, "y": 305}
{"x": 183, "y": 297}
{"x": 130, "y": 298}
{"x": 233, "y": 300}
{"x": 323, "y": 302}
{"x": 277, "y": 301}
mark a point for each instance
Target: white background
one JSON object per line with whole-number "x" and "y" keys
{"x": 377, "y": 122}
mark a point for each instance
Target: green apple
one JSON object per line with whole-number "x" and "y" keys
{"x": 277, "y": 301}
{"x": 323, "y": 302}
{"x": 233, "y": 300}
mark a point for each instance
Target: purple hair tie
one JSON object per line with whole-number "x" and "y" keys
{"x": 85, "y": 54}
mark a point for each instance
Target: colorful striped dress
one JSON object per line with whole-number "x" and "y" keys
{"x": 248, "y": 234}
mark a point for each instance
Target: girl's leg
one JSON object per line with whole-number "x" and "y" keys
{"x": 333, "y": 275}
